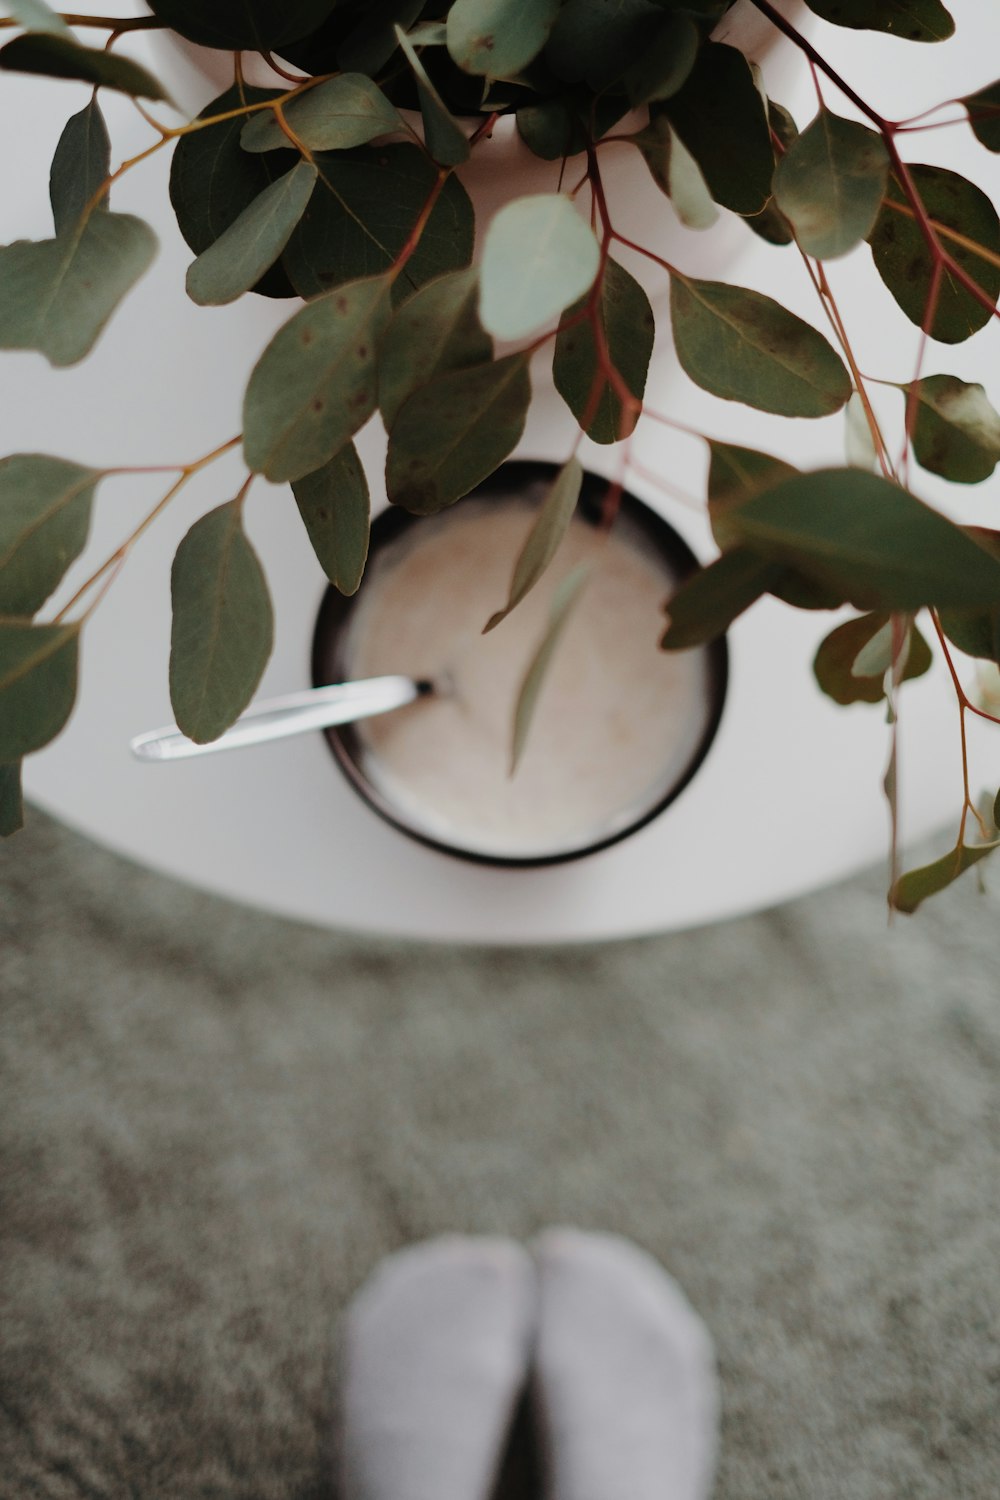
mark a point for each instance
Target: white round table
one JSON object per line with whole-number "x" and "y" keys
{"x": 790, "y": 795}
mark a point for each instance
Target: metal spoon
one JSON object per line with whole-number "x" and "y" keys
{"x": 315, "y": 708}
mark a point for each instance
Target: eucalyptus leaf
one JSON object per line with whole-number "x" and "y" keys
{"x": 873, "y": 542}
{"x": 859, "y": 445}
{"x": 429, "y": 34}
{"x": 956, "y": 432}
{"x": 542, "y": 542}
{"x": 829, "y": 184}
{"x": 335, "y": 508}
{"x": 80, "y": 168}
{"x": 770, "y": 224}
{"x": 453, "y": 432}
{"x": 743, "y": 346}
{"x": 362, "y": 212}
{"x": 237, "y": 260}
{"x": 706, "y": 604}
{"x": 38, "y": 669}
{"x": 596, "y": 43}
{"x": 913, "y": 888}
{"x": 349, "y": 110}
{"x": 444, "y": 138}
{"x": 984, "y": 115}
{"x": 676, "y": 173}
{"x": 371, "y": 42}
{"x": 57, "y": 56}
{"x": 242, "y": 25}
{"x": 45, "y": 506}
{"x": 627, "y": 325}
{"x": 721, "y": 118}
{"x": 314, "y": 385}
{"x": 11, "y": 799}
{"x": 914, "y": 20}
{"x": 551, "y": 129}
{"x": 496, "y": 38}
{"x": 976, "y": 632}
{"x": 666, "y": 63}
{"x": 564, "y": 600}
{"x": 904, "y": 261}
{"x": 434, "y": 331}
{"x": 222, "y": 625}
{"x": 57, "y": 295}
{"x": 35, "y": 15}
{"x": 539, "y": 257}
{"x": 836, "y": 661}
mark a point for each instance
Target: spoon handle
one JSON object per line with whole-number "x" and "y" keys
{"x": 315, "y": 708}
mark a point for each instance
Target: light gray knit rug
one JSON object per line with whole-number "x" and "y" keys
{"x": 215, "y": 1123}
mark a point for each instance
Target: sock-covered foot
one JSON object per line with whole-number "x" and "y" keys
{"x": 624, "y": 1384}
{"x": 436, "y": 1347}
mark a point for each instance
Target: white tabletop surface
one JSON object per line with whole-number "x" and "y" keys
{"x": 789, "y": 797}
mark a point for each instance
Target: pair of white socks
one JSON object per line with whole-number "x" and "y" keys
{"x": 441, "y": 1342}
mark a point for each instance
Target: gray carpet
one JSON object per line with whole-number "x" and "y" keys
{"x": 215, "y": 1123}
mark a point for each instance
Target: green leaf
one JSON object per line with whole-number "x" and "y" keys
{"x": 538, "y": 258}
{"x": 371, "y": 42}
{"x": 334, "y": 505}
{"x": 976, "y": 632}
{"x": 443, "y": 136}
{"x": 859, "y": 445}
{"x": 666, "y": 63}
{"x": 35, "y": 15}
{"x": 676, "y": 173}
{"x": 626, "y": 320}
{"x": 743, "y": 346}
{"x": 345, "y": 111}
{"x": 916, "y": 885}
{"x": 596, "y": 43}
{"x": 770, "y": 224}
{"x": 362, "y": 212}
{"x": 874, "y": 543}
{"x": 247, "y": 25}
{"x": 212, "y": 180}
{"x": 38, "y": 665}
{"x": 830, "y": 183}
{"x": 57, "y": 56}
{"x": 984, "y": 115}
{"x": 496, "y": 38}
{"x": 57, "y": 295}
{"x": 222, "y": 627}
{"x": 11, "y": 799}
{"x": 45, "y": 506}
{"x": 80, "y": 168}
{"x": 563, "y": 601}
{"x": 435, "y": 330}
{"x": 905, "y": 264}
{"x": 542, "y": 542}
{"x": 836, "y": 660}
{"x": 252, "y": 243}
{"x": 720, "y": 116}
{"x": 315, "y": 384}
{"x": 429, "y": 34}
{"x": 551, "y": 129}
{"x": 453, "y": 432}
{"x": 956, "y": 432}
{"x": 914, "y": 20}
{"x": 707, "y": 603}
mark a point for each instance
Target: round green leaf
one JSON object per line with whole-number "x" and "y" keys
{"x": 334, "y": 505}
{"x": 706, "y": 604}
{"x": 315, "y": 384}
{"x": 57, "y": 295}
{"x": 626, "y": 318}
{"x": 743, "y": 346}
{"x": 222, "y": 628}
{"x": 57, "y": 56}
{"x": 497, "y": 38}
{"x": 956, "y": 432}
{"x": 551, "y": 129}
{"x": 252, "y": 243}
{"x": 904, "y": 261}
{"x": 538, "y": 258}
{"x": 453, "y": 432}
{"x": 80, "y": 167}
{"x": 984, "y": 115}
{"x": 45, "y": 506}
{"x": 345, "y": 111}
{"x": 435, "y": 330}
{"x": 38, "y": 667}
{"x": 250, "y": 25}
{"x": 596, "y": 43}
{"x": 830, "y": 184}
{"x": 835, "y": 661}
{"x": 914, "y": 20}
